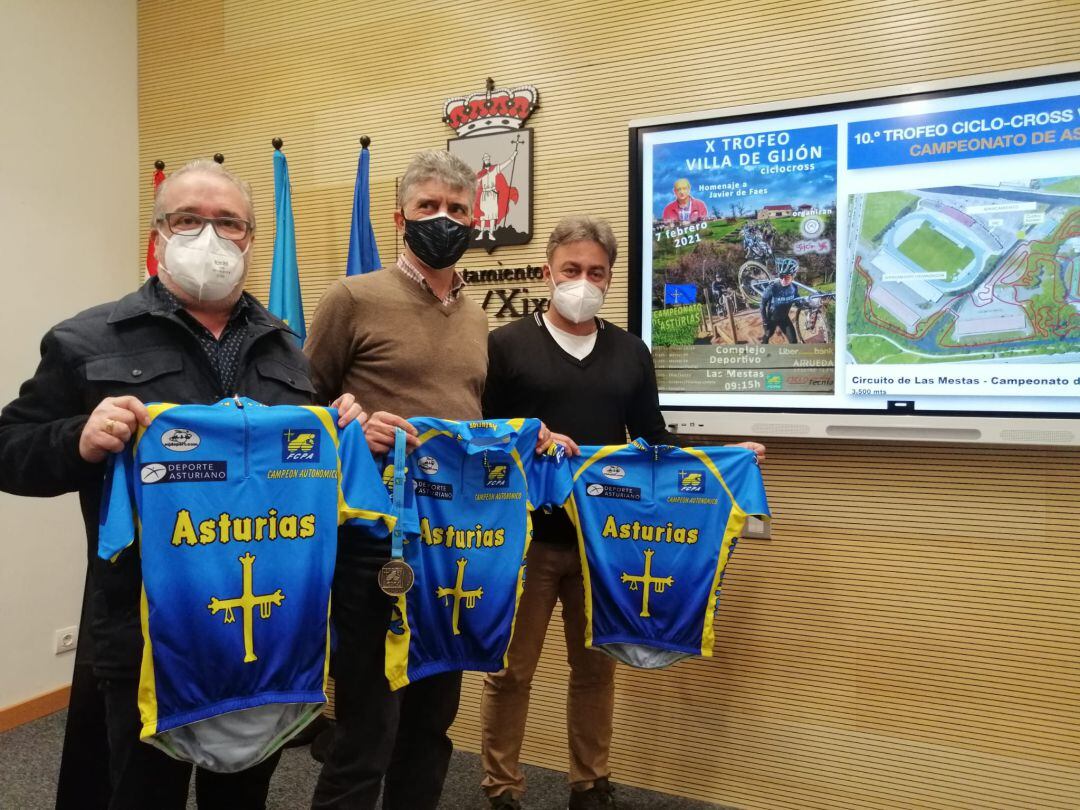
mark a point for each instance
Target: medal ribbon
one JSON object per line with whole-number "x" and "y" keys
{"x": 396, "y": 539}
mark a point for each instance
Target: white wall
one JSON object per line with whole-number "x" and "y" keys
{"x": 69, "y": 239}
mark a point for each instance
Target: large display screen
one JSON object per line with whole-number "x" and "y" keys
{"x": 917, "y": 253}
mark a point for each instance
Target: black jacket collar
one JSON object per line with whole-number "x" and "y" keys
{"x": 148, "y": 300}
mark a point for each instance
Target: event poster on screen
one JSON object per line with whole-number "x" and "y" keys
{"x": 916, "y": 249}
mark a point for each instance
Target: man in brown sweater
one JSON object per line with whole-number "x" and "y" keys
{"x": 406, "y": 342}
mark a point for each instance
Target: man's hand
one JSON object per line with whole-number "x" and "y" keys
{"x": 569, "y": 446}
{"x": 379, "y": 431}
{"x": 543, "y": 439}
{"x": 759, "y": 449}
{"x": 349, "y": 410}
{"x": 110, "y": 427}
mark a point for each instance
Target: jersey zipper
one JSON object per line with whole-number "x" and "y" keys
{"x": 465, "y": 465}
{"x": 247, "y": 436}
{"x": 656, "y": 460}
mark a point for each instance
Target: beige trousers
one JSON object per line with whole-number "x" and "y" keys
{"x": 552, "y": 572}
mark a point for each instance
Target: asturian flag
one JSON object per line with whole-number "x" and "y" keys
{"x": 151, "y": 255}
{"x": 678, "y": 294}
{"x": 363, "y": 252}
{"x": 285, "y": 300}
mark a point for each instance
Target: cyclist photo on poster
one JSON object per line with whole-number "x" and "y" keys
{"x": 782, "y": 294}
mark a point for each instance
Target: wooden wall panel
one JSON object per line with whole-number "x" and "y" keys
{"x": 907, "y": 639}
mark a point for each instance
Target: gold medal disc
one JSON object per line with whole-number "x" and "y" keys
{"x": 396, "y": 577}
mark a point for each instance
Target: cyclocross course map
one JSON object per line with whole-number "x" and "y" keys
{"x": 966, "y": 273}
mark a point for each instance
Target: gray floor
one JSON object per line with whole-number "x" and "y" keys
{"x": 30, "y": 757}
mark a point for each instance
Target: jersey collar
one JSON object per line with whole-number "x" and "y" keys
{"x": 488, "y": 436}
{"x": 643, "y": 446}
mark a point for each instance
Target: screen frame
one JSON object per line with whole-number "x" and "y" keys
{"x": 899, "y": 420}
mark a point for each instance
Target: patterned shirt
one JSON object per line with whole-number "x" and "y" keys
{"x": 410, "y": 270}
{"x": 224, "y": 352}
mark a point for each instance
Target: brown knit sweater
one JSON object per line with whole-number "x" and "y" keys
{"x": 384, "y": 339}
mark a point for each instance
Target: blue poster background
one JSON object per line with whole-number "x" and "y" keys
{"x": 791, "y": 166}
{"x": 1002, "y": 129}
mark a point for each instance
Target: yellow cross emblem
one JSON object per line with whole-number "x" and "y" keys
{"x": 458, "y": 593}
{"x": 649, "y": 581}
{"x": 247, "y": 601}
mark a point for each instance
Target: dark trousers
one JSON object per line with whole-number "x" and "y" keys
{"x": 144, "y": 777}
{"x": 781, "y": 322}
{"x": 394, "y": 740}
{"x": 83, "y": 782}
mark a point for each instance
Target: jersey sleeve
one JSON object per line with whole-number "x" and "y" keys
{"x": 364, "y": 500}
{"x": 741, "y": 473}
{"x": 116, "y": 529}
{"x": 547, "y": 474}
{"x": 766, "y": 299}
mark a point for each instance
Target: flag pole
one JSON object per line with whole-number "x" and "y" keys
{"x": 518, "y": 141}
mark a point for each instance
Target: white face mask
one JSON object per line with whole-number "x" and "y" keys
{"x": 205, "y": 266}
{"x": 577, "y": 301}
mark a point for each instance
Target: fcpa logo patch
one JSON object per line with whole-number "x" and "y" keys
{"x": 495, "y": 475}
{"x": 691, "y": 481}
{"x": 300, "y": 445}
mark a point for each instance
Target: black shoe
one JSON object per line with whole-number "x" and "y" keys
{"x": 601, "y": 796}
{"x": 504, "y": 801}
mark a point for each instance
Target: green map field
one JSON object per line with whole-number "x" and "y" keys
{"x": 971, "y": 273}
{"x": 935, "y": 252}
{"x": 881, "y": 209}
{"x": 1070, "y": 185}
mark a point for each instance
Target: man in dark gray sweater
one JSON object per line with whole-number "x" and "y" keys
{"x": 591, "y": 383}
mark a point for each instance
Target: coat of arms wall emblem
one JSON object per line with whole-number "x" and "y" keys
{"x": 494, "y": 143}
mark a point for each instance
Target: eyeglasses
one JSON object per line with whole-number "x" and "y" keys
{"x": 185, "y": 223}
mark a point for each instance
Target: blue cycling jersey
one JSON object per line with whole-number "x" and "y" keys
{"x": 656, "y": 528}
{"x": 235, "y": 507}
{"x": 469, "y": 489}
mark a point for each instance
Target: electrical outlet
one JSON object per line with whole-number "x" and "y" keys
{"x": 66, "y": 639}
{"x": 757, "y": 529}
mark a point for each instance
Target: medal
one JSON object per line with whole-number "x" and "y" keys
{"x": 396, "y": 577}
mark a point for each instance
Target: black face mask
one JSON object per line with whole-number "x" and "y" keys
{"x": 439, "y": 241}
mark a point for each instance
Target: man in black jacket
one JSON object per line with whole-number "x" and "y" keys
{"x": 191, "y": 335}
{"x": 590, "y": 382}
